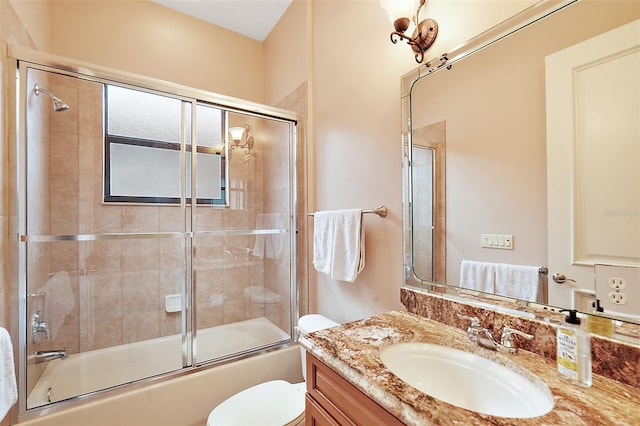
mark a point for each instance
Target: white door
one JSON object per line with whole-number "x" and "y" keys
{"x": 593, "y": 159}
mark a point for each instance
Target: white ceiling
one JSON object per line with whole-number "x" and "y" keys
{"x": 252, "y": 18}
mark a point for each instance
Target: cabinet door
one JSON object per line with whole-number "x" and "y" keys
{"x": 342, "y": 401}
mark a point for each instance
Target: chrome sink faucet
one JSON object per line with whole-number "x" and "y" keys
{"x": 482, "y": 336}
{"x": 474, "y": 328}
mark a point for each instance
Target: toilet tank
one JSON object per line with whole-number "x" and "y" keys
{"x": 308, "y": 324}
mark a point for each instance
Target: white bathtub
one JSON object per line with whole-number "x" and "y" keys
{"x": 87, "y": 372}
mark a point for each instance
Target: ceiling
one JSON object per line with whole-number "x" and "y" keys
{"x": 252, "y": 18}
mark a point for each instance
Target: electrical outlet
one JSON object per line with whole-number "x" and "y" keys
{"x": 617, "y": 283}
{"x": 618, "y": 298}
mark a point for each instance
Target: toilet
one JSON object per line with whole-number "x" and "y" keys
{"x": 272, "y": 403}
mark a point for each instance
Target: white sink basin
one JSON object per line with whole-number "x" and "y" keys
{"x": 467, "y": 380}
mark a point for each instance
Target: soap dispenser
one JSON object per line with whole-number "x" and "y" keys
{"x": 574, "y": 350}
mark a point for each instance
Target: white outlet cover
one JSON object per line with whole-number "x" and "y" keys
{"x": 617, "y": 283}
{"x": 618, "y": 298}
{"x": 607, "y": 278}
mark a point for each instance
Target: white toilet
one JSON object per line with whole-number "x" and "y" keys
{"x": 273, "y": 403}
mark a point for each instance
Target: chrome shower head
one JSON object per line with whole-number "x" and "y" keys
{"x": 58, "y": 104}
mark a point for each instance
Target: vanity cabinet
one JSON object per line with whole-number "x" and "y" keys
{"x": 333, "y": 401}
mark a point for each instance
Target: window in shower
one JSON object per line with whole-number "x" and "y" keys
{"x": 143, "y": 141}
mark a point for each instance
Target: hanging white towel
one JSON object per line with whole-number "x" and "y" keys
{"x": 58, "y": 301}
{"x": 518, "y": 281}
{"x": 479, "y": 276}
{"x": 8, "y": 386}
{"x": 338, "y": 244}
{"x": 269, "y": 245}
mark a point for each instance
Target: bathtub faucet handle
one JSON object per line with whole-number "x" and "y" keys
{"x": 38, "y": 326}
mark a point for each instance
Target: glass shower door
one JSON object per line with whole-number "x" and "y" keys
{"x": 244, "y": 254}
{"x": 151, "y": 239}
{"x": 95, "y": 273}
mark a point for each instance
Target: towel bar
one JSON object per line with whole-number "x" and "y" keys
{"x": 380, "y": 211}
{"x": 542, "y": 271}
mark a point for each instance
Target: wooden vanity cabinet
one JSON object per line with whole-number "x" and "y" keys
{"x": 333, "y": 401}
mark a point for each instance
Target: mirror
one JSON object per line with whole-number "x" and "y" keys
{"x": 483, "y": 110}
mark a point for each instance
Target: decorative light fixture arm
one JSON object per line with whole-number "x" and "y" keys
{"x": 423, "y": 36}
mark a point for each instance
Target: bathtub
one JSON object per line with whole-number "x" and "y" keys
{"x": 88, "y": 372}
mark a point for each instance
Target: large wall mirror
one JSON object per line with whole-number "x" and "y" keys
{"x": 537, "y": 123}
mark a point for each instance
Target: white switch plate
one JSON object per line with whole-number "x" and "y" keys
{"x": 497, "y": 241}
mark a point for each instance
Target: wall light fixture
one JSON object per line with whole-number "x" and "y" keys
{"x": 240, "y": 133}
{"x": 423, "y": 33}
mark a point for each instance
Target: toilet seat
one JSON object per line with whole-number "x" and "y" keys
{"x": 281, "y": 402}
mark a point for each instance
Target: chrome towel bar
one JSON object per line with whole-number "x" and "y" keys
{"x": 380, "y": 211}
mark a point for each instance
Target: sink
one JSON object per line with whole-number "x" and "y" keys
{"x": 467, "y": 380}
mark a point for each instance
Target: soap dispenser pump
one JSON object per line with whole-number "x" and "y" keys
{"x": 574, "y": 350}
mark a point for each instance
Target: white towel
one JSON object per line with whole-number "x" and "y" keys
{"x": 479, "y": 276}
{"x": 520, "y": 282}
{"x": 338, "y": 244}
{"x": 58, "y": 301}
{"x": 269, "y": 245}
{"x": 8, "y": 386}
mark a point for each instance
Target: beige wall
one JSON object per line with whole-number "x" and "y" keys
{"x": 34, "y": 14}
{"x": 147, "y": 39}
{"x": 286, "y": 53}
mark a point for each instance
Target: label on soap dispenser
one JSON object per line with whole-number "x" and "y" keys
{"x": 567, "y": 354}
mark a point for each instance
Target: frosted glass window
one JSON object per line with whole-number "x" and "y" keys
{"x": 143, "y": 150}
{"x": 144, "y": 171}
{"x": 209, "y": 126}
{"x": 141, "y": 115}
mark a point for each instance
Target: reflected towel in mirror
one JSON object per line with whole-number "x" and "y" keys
{"x": 518, "y": 281}
{"x": 478, "y": 275}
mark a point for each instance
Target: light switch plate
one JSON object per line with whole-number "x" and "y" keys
{"x": 497, "y": 241}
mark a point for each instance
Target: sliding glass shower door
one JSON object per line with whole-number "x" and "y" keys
{"x": 151, "y": 240}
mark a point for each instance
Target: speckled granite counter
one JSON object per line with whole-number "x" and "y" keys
{"x": 352, "y": 351}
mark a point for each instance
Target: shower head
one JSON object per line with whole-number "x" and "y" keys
{"x": 58, "y": 104}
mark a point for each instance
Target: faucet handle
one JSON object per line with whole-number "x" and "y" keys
{"x": 38, "y": 326}
{"x": 474, "y": 321}
{"x": 507, "y": 336}
{"x": 474, "y": 327}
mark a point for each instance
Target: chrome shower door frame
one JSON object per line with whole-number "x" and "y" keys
{"x": 23, "y": 59}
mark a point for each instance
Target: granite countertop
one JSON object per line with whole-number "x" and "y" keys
{"x": 352, "y": 351}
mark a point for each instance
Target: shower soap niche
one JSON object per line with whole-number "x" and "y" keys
{"x": 173, "y": 302}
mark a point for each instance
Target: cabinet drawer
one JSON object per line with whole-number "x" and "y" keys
{"x": 315, "y": 415}
{"x": 341, "y": 400}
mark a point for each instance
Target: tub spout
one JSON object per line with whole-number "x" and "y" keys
{"x": 44, "y": 356}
